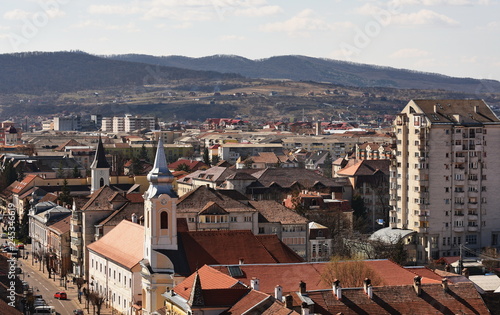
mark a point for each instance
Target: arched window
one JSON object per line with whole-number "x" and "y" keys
{"x": 164, "y": 220}
{"x": 101, "y": 182}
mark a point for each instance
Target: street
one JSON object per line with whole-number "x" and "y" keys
{"x": 47, "y": 287}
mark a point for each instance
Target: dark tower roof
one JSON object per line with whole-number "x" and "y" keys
{"x": 100, "y": 157}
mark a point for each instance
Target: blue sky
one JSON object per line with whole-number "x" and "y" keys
{"x": 452, "y": 37}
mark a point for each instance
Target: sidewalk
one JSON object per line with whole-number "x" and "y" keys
{"x": 71, "y": 291}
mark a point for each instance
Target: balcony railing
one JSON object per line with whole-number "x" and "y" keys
{"x": 472, "y": 217}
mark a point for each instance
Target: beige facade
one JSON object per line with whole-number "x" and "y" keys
{"x": 444, "y": 176}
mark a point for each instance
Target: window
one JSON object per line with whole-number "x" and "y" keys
{"x": 261, "y": 230}
{"x": 233, "y": 219}
{"x": 248, "y": 219}
{"x": 164, "y": 220}
{"x": 494, "y": 239}
{"x": 471, "y": 239}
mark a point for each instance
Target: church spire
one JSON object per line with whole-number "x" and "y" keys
{"x": 100, "y": 156}
{"x": 160, "y": 179}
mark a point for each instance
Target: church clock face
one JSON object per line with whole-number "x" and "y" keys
{"x": 101, "y": 172}
{"x": 164, "y": 201}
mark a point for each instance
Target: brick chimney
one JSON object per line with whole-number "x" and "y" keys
{"x": 444, "y": 283}
{"x": 302, "y": 287}
{"x": 337, "y": 289}
{"x": 134, "y": 218}
{"x": 255, "y": 284}
{"x": 417, "y": 285}
{"x": 367, "y": 286}
{"x": 304, "y": 308}
{"x": 241, "y": 261}
{"x": 288, "y": 301}
{"x": 278, "y": 293}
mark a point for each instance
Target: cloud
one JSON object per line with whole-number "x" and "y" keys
{"x": 130, "y": 27}
{"x": 441, "y": 2}
{"x": 423, "y": 17}
{"x": 409, "y": 53}
{"x": 226, "y": 38}
{"x": 114, "y": 9}
{"x": 466, "y": 59}
{"x": 16, "y": 14}
{"x": 304, "y": 22}
{"x": 258, "y": 11}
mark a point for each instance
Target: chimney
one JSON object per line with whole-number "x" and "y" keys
{"x": 337, "y": 289}
{"x": 278, "y": 293}
{"x": 241, "y": 261}
{"x": 302, "y": 287}
{"x": 254, "y": 284}
{"x": 435, "y": 108}
{"x": 367, "y": 286}
{"x": 444, "y": 283}
{"x": 476, "y": 109}
{"x": 465, "y": 273}
{"x": 417, "y": 285}
{"x": 304, "y": 308}
{"x": 134, "y": 218}
{"x": 288, "y": 301}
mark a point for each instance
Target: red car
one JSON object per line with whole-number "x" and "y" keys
{"x": 20, "y": 246}
{"x": 60, "y": 295}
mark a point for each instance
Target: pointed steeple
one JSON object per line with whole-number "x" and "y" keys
{"x": 100, "y": 156}
{"x": 160, "y": 179}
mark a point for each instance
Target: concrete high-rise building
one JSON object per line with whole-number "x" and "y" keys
{"x": 67, "y": 123}
{"x": 445, "y": 176}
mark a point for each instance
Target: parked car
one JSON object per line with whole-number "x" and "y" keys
{"x": 60, "y": 295}
{"x": 39, "y": 302}
{"x": 20, "y": 246}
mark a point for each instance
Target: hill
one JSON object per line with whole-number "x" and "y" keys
{"x": 39, "y": 72}
{"x": 302, "y": 68}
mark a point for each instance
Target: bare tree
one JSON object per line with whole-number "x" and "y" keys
{"x": 351, "y": 273}
{"x": 97, "y": 299}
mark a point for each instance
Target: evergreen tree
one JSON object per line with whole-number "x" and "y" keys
{"x": 24, "y": 235}
{"x": 143, "y": 153}
{"x": 183, "y": 167}
{"x": 8, "y": 175}
{"x": 65, "y": 196}
{"x": 327, "y": 166}
{"x": 206, "y": 157}
{"x": 76, "y": 172}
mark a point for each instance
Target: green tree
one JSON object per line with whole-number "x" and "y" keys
{"x": 76, "y": 172}
{"x": 143, "y": 153}
{"x": 327, "y": 166}
{"x": 206, "y": 157}
{"x": 215, "y": 160}
{"x": 24, "y": 233}
{"x": 183, "y": 167}
{"x": 60, "y": 171}
{"x": 64, "y": 195}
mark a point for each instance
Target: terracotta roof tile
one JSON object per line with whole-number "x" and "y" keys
{"x": 248, "y": 302}
{"x": 273, "y": 211}
{"x": 124, "y": 244}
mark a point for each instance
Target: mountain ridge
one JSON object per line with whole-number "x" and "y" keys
{"x": 304, "y": 68}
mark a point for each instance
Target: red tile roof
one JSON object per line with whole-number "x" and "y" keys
{"x": 248, "y": 302}
{"x": 210, "y": 278}
{"x": 289, "y": 275}
{"x": 124, "y": 244}
{"x": 461, "y": 298}
{"x": 24, "y": 183}
{"x": 228, "y": 247}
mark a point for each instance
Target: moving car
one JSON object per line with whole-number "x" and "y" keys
{"x": 60, "y": 295}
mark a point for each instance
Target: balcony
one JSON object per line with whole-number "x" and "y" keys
{"x": 472, "y": 205}
{"x": 472, "y": 228}
{"x": 422, "y": 230}
{"x": 458, "y": 229}
{"x": 460, "y": 159}
{"x": 472, "y": 217}
{"x": 76, "y": 241}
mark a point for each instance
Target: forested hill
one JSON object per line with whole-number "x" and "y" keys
{"x": 302, "y": 68}
{"x": 39, "y": 72}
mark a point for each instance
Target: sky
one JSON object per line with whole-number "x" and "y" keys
{"x": 452, "y": 37}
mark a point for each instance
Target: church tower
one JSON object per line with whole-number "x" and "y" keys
{"x": 99, "y": 169}
{"x": 160, "y": 232}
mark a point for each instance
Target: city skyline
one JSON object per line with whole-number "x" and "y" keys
{"x": 451, "y": 37}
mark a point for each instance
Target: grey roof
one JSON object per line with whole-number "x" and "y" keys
{"x": 390, "y": 235}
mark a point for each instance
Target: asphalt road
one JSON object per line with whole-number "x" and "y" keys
{"x": 47, "y": 287}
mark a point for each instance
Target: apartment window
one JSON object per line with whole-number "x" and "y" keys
{"x": 191, "y": 220}
{"x": 417, "y": 154}
{"x": 233, "y": 219}
{"x": 417, "y": 142}
{"x": 261, "y": 230}
{"x": 447, "y": 155}
{"x": 446, "y": 131}
{"x": 447, "y": 189}
{"x": 125, "y": 279}
{"x": 483, "y": 199}
{"x": 483, "y": 177}
{"x": 471, "y": 239}
{"x": 248, "y": 219}
{"x": 494, "y": 239}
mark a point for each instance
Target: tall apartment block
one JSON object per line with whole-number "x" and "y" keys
{"x": 445, "y": 177}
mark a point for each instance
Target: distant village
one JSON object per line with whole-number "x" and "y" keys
{"x": 230, "y": 216}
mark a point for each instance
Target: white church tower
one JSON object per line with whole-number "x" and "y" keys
{"x": 99, "y": 169}
{"x": 160, "y": 232}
